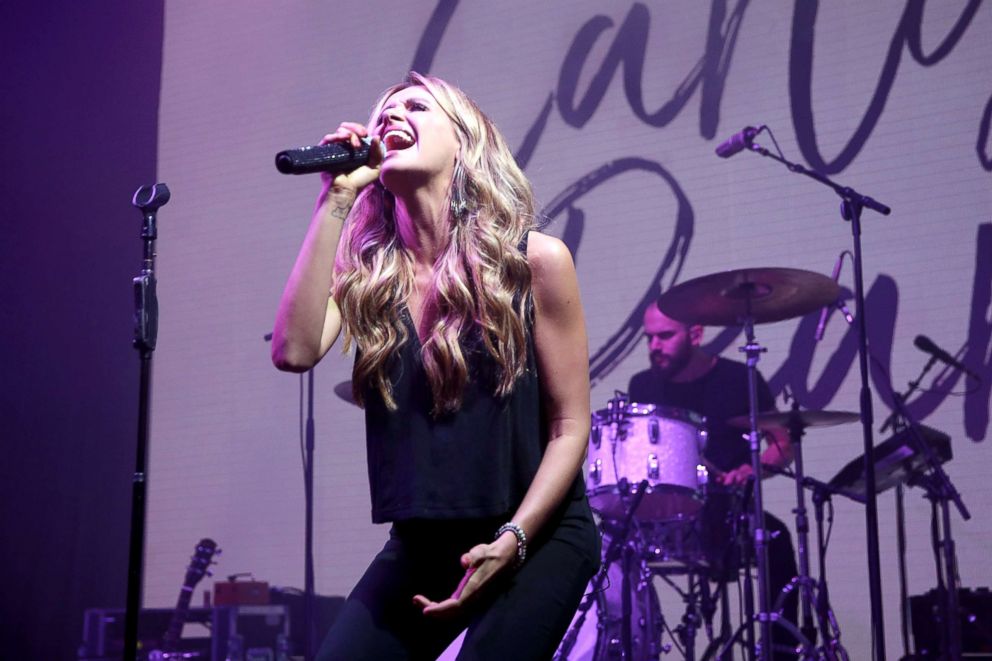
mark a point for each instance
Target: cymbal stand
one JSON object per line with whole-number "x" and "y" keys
{"x": 753, "y": 351}
{"x": 765, "y": 616}
{"x": 807, "y": 590}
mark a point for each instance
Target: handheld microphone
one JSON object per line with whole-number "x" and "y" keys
{"x": 334, "y": 157}
{"x": 926, "y": 345}
{"x": 737, "y": 142}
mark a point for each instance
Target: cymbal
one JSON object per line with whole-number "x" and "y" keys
{"x": 774, "y": 294}
{"x": 782, "y": 419}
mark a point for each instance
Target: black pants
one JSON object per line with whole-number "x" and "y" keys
{"x": 523, "y": 615}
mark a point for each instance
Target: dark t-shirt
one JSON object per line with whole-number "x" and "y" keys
{"x": 718, "y": 395}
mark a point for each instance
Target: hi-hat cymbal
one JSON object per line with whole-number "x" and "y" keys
{"x": 766, "y": 294}
{"x": 782, "y": 419}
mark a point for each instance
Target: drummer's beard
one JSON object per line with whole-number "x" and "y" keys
{"x": 669, "y": 364}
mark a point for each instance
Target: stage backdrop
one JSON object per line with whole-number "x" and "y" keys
{"x": 614, "y": 110}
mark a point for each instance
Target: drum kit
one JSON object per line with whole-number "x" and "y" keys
{"x": 648, "y": 480}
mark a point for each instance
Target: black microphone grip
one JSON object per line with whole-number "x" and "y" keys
{"x": 334, "y": 157}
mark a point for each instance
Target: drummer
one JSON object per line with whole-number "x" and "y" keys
{"x": 682, "y": 375}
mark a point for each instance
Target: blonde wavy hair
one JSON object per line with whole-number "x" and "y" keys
{"x": 481, "y": 278}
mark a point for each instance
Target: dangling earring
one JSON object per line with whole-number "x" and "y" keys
{"x": 459, "y": 205}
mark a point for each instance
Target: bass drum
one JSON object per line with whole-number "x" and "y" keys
{"x": 601, "y": 635}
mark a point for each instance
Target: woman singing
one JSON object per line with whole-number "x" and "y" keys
{"x": 472, "y": 366}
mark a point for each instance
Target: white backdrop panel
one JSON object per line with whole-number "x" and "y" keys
{"x": 243, "y": 80}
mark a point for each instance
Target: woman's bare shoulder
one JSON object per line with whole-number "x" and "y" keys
{"x": 548, "y": 255}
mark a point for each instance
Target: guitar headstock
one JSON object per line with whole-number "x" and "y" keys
{"x": 201, "y": 559}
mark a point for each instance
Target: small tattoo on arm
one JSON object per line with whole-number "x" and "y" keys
{"x": 340, "y": 211}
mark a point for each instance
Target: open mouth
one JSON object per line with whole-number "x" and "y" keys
{"x": 396, "y": 139}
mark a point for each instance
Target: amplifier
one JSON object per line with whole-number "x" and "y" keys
{"x": 241, "y": 593}
{"x": 239, "y": 633}
{"x": 251, "y": 633}
{"x": 103, "y": 632}
{"x": 976, "y": 624}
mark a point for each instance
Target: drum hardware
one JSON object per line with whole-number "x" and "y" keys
{"x": 747, "y": 297}
{"x": 797, "y": 422}
{"x": 620, "y": 545}
{"x": 596, "y": 471}
{"x": 700, "y": 607}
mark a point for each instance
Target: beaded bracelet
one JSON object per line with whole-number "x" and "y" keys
{"x": 518, "y": 532}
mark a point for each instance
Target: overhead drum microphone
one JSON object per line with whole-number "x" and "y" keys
{"x": 839, "y": 303}
{"x": 334, "y": 157}
{"x": 737, "y": 142}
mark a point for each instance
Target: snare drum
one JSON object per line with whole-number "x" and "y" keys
{"x": 709, "y": 544}
{"x": 646, "y": 442}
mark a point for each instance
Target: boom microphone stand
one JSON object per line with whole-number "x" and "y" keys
{"x": 941, "y": 492}
{"x": 852, "y": 204}
{"x": 148, "y": 199}
{"x": 897, "y": 423}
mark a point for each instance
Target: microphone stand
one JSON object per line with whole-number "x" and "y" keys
{"x": 148, "y": 199}
{"x": 852, "y": 204}
{"x": 941, "y": 492}
{"x": 897, "y": 423}
{"x": 308, "y": 582}
{"x": 309, "y": 619}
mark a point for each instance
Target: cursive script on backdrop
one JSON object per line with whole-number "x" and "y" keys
{"x": 626, "y": 57}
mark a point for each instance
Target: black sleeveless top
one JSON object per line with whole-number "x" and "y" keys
{"x": 476, "y": 462}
